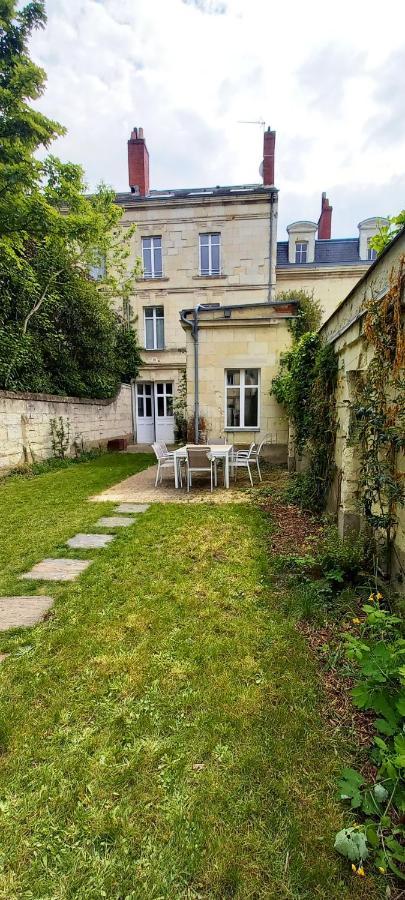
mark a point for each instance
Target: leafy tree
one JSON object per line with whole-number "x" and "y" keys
{"x": 388, "y": 232}
{"x": 59, "y": 328}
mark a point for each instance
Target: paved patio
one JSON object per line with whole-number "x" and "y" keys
{"x": 140, "y": 488}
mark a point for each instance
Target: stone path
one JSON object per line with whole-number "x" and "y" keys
{"x": 57, "y": 569}
{"x": 18, "y": 612}
{"x": 115, "y": 522}
{"x": 89, "y": 541}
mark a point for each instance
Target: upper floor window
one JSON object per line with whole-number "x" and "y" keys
{"x": 242, "y": 398}
{"x": 301, "y": 251}
{"x": 154, "y": 328}
{"x": 371, "y": 253}
{"x": 97, "y": 271}
{"x": 152, "y": 257}
{"x": 210, "y": 254}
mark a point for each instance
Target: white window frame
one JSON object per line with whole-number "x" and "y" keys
{"x": 165, "y": 395}
{"x": 152, "y": 239}
{"x": 371, "y": 253}
{"x": 98, "y": 269}
{"x": 242, "y": 387}
{"x": 153, "y": 318}
{"x": 205, "y": 239}
{"x": 300, "y": 248}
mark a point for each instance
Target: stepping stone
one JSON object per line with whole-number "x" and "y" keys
{"x": 89, "y": 541}
{"x": 132, "y": 507}
{"x": 115, "y": 521}
{"x": 57, "y": 569}
{"x": 20, "y": 612}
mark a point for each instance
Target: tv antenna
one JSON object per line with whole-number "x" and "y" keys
{"x": 252, "y": 122}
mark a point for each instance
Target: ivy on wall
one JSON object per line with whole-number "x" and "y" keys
{"x": 378, "y": 416}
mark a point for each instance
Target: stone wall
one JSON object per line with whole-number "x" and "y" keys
{"x": 25, "y": 434}
{"x": 344, "y": 329}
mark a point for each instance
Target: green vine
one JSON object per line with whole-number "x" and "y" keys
{"x": 305, "y": 386}
{"x": 378, "y": 417}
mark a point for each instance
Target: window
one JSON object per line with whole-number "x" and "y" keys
{"x": 154, "y": 328}
{"x": 301, "y": 251}
{"x": 144, "y": 398}
{"x": 242, "y": 398}
{"x": 97, "y": 271}
{"x": 152, "y": 257}
{"x": 210, "y": 254}
{"x": 371, "y": 254}
{"x": 164, "y": 399}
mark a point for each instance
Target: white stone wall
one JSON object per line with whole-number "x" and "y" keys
{"x": 25, "y": 433}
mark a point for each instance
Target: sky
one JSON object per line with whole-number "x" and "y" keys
{"x": 329, "y": 78}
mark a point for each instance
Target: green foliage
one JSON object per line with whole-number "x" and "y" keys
{"x": 305, "y": 386}
{"x": 60, "y": 436}
{"x": 309, "y": 312}
{"x": 387, "y": 233}
{"x": 378, "y": 417}
{"x": 180, "y": 409}
{"x": 378, "y": 654}
{"x": 58, "y": 329}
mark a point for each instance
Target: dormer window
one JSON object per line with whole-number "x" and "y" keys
{"x": 301, "y": 252}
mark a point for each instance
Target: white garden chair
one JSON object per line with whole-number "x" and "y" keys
{"x": 165, "y": 460}
{"x": 243, "y": 459}
{"x": 257, "y": 453}
{"x": 200, "y": 459}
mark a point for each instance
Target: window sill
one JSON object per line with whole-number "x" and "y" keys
{"x": 243, "y": 428}
{"x": 153, "y": 349}
{"x": 199, "y": 277}
{"x": 153, "y": 278}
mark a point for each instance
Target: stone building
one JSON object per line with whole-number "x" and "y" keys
{"x": 216, "y": 249}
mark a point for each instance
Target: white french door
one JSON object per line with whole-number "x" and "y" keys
{"x": 154, "y": 412}
{"x": 145, "y": 413}
{"x": 164, "y": 418}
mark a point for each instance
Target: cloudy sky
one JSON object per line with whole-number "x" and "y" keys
{"x": 330, "y": 78}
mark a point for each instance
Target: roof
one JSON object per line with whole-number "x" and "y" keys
{"x": 332, "y": 252}
{"x": 198, "y": 193}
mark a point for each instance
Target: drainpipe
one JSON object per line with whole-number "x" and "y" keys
{"x": 272, "y": 246}
{"x": 194, "y": 333}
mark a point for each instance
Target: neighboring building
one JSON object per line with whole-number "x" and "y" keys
{"x": 330, "y": 267}
{"x": 217, "y": 248}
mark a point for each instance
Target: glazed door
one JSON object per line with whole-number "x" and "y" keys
{"x": 145, "y": 418}
{"x": 164, "y": 417}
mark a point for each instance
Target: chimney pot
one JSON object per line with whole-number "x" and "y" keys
{"x": 269, "y": 143}
{"x": 325, "y": 219}
{"x": 138, "y": 163}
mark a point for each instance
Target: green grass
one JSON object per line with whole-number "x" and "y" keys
{"x": 162, "y": 731}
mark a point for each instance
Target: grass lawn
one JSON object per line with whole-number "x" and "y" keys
{"x": 161, "y": 732}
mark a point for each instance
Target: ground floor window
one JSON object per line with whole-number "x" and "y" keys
{"x": 144, "y": 397}
{"x": 242, "y": 398}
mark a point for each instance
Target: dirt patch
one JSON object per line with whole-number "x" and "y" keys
{"x": 296, "y": 531}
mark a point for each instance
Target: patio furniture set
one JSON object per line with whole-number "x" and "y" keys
{"x": 199, "y": 459}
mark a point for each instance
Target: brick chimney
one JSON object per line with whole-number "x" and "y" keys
{"x": 269, "y": 143}
{"x": 138, "y": 163}
{"x": 325, "y": 220}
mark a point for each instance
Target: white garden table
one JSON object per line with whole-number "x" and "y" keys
{"x": 220, "y": 451}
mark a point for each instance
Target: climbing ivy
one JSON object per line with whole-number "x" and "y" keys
{"x": 305, "y": 386}
{"x": 378, "y": 416}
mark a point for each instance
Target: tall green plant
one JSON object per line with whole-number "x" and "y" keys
{"x": 58, "y": 328}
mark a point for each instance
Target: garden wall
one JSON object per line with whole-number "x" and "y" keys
{"x": 344, "y": 329}
{"x": 25, "y": 433}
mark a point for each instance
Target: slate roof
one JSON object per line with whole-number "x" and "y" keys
{"x": 127, "y": 199}
{"x": 333, "y": 252}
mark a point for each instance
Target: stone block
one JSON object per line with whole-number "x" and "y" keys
{"x": 115, "y": 522}
{"x": 57, "y": 570}
{"x": 89, "y": 541}
{"x": 21, "y": 612}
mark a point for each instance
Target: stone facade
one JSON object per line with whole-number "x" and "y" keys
{"x": 345, "y": 330}
{"x": 25, "y": 434}
{"x": 238, "y": 339}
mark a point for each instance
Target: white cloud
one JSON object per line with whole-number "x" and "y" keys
{"x": 189, "y": 71}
